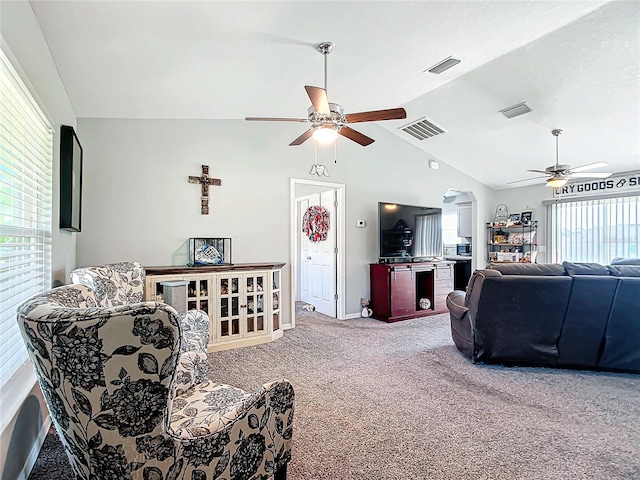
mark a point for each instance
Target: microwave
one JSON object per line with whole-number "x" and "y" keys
{"x": 463, "y": 249}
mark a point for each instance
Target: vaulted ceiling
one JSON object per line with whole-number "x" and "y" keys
{"x": 576, "y": 63}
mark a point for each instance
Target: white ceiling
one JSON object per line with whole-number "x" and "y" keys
{"x": 576, "y": 63}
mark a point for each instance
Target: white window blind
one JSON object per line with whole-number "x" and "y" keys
{"x": 595, "y": 230}
{"x": 26, "y": 140}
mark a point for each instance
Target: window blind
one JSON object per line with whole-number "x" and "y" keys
{"x": 26, "y": 142}
{"x": 595, "y": 230}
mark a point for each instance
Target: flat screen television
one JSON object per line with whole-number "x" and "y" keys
{"x": 70, "y": 180}
{"x": 409, "y": 232}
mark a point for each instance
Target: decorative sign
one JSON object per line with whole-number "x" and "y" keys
{"x": 617, "y": 183}
{"x": 205, "y": 181}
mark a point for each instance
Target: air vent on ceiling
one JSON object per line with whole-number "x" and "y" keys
{"x": 422, "y": 129}
{"x": 443, "y": 65}
{"x": 515, "y": 110}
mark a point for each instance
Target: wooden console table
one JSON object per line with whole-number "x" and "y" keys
{"x": 397, "y": 288}
{"x": 242, "y": 300}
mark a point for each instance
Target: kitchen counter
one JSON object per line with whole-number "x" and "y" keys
{"x": 458, "y": 257}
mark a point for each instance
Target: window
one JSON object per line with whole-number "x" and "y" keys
{"x": 450, "y": 228}
{"x": 595, "y": 230}
{"x": 26, "y": 140}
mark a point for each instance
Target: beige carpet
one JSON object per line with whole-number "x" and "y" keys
{"x": 398, "y": 401}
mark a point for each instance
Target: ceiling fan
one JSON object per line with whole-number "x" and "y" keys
{"x": 558, "y": 174}
{"x": 328, "y": 120}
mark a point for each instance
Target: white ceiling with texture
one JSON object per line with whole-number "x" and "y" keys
{"x": 575, "y": 63}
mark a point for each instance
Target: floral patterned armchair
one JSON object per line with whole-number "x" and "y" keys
{"x": 108, "y": 374}
{"x": 123, "y": 284}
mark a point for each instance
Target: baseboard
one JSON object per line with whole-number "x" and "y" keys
{"x": 351, "y": 316}
{"x": 35, "y": 450}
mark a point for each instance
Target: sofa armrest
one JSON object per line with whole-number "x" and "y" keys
{"x": 455, "y": 304}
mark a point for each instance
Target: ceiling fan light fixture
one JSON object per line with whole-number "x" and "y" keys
{"x": 325, "y": 134}
{"x": 557, "y": 182}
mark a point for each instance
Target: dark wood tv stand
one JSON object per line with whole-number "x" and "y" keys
{"x": 396, "y": 289}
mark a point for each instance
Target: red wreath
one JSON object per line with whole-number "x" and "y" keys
{"x": 315, "y": 223}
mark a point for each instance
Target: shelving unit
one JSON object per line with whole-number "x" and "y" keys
{"x": 400, "y": 291}
{"x": 512, "y": 244}
{"x": 241, "y": 300}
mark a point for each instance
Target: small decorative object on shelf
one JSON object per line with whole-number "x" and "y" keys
{"x": 501, "y": 216}
{"x": 525, "y": 217}
{"x": 209, "y": 251}
{"x": 514, "y": 220}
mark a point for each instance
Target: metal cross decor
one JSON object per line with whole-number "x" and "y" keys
{"x": 205, "y": 181}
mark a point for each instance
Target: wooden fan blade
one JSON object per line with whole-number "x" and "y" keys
{"x": 375, "y": 115}
{"x": 357, "y": 137}
{"x": 590, "y": 175}
{"x": 302, "y": 138}
{"x": 525, "y": 180}
{"x": 318, "y": 97}
{"x": 539, "y": 171}
{"x": 270, "y": 119}
{"x": 589, "y": 166}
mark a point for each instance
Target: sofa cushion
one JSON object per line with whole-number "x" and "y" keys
{"x": 625, "y": 261}
{"x": 549, "y": 269}
{"x": 624, "y": 270}
{"x": 585, "y": 268}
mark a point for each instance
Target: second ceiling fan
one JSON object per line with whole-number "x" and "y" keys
{"x": 328, "y": 120}
{"x": 559, "y": 174}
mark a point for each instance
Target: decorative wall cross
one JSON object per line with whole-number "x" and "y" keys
{"x": 205, "y": 181}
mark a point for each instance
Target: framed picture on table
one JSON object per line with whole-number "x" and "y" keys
{"x": 525, "y": 217}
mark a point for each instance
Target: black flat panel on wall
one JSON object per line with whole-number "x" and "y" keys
{"x": 70, "y": 180}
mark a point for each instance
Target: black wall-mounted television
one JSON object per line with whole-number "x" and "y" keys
{"x": 70, "y": 180}
{"x": 409, "y": 232}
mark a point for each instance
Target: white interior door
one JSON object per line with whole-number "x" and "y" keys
{"x": 300, "y": 189}
{"x": 304, "y": 261}
{"x": 323, "y": 262}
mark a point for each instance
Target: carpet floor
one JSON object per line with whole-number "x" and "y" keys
{"x": 378, "y": 401}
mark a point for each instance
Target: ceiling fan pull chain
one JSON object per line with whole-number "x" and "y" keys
{"x": 335, "y": 152}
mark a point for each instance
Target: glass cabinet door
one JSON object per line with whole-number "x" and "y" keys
{"x": 198, "y": 294}
{"x": 228, "y": 317}
{"x": 275, "y": 306}
{"x": 255, "y": 310}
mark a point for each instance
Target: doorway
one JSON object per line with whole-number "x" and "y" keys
{"x": 317, "y": 268}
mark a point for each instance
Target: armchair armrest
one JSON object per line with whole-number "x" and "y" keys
{"x": 455, "y": 304}
{"x": 195, "y": 331}
{"x": 210, "y": 408}
{"x": 192, "y": 369}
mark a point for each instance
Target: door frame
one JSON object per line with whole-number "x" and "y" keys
{"x": 294, "y": 235}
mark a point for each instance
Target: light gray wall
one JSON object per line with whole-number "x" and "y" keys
{"x": 24, "y": 414}
{"x": 139, "y": 204}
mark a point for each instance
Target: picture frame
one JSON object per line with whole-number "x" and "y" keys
{"x": 514, "y": 218}
{"x": 71, "y": 157}
{"x": 526, "y": 216}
